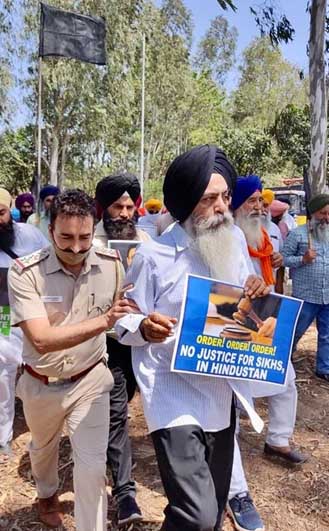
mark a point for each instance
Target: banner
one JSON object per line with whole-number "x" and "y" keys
{"x": 126, "y": 248}
{"x": 68, "y": 34}
{"x": 223, "y": 333}
{"x": 4, "y": 303}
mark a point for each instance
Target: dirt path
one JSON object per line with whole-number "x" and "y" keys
{"x": 294, "y": 500}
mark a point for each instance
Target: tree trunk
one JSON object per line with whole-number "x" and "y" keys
{"x": 54, "y": 156}
{"x": 318, "y": 98}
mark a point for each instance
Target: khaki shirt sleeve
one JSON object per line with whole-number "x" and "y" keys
{"x": 25, "y": 302}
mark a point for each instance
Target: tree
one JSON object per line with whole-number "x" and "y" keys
{"x": 280, "y": 29}
{"x": 292, "y": 134}
{"x": 84, "y": 104}
{"x": 216, "y": 51}
{"x": 17, "y": 159}
{"x": 247, "y": 148}
{"x": 318, "y": 97}
{"x": 268, "y": 83}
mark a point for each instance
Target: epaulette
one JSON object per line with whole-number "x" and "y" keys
{"x": 109, "y": 253}
{"x": 23, "y": 262}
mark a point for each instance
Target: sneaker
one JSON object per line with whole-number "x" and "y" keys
{"x": 244, "y": 514}
{"x": 128, "y": 511}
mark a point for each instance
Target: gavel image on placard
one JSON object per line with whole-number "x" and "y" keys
{"x": 245, "y": 310}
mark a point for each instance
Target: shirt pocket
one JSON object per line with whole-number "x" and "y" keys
{"x": 56, "y": 311}
{"x": 98, "y": 304}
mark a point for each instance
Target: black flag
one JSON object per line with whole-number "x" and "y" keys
{"x": 68, "y": 34}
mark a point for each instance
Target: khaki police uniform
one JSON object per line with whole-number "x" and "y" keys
{"x": 41, "y": 287}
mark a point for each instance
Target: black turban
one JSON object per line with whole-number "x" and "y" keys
{"x": 109, "y": 189}
{"x": 188, "y": 176}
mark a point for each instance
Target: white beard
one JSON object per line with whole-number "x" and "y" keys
{"x": 214, "y": 241}
{"x": 251, "y": 227}
{"x": 319, "y": 232}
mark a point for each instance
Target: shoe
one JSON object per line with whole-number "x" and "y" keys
{"x": 293, "y": 457}
{"x": 128, "y": 511}
{"x": 324, "y": 377}
{"x": 49, "y": 511}
{"x": 244, "y": 514}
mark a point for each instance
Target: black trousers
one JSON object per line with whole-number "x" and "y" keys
{"x": 195, "y": 468}
{"x": 119, "y": 447}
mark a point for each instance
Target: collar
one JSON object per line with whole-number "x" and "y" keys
{"x": 179, "y": 235}
{"x": 53, "y": 263}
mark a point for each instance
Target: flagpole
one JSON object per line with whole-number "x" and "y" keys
{"x": 39, "y": 147}
{"x": 142, "y": 119}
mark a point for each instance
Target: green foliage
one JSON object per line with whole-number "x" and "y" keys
{"x": 17, "y": 159}
{"x": 92, "y": 115}
{"x": 248, "y": 149}
{"x": 292, "y": 133}
{"x": 216, "y": 52}
{"x": 268, "y": 83}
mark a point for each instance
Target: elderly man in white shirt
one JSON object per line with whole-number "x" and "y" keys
{"x": 191, "y": 417}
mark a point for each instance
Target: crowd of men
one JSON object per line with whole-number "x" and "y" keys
{"x": 85, "y": 334}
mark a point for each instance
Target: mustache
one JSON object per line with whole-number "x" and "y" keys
{"x": 68, "y": 250}
{"x": 213, "y": 222}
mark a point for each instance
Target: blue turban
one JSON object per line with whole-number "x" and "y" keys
{"x": 244, "y": 188}
{"x": 49, "y": 189}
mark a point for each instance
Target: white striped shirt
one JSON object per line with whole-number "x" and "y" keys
{"x": 172, "y": 399}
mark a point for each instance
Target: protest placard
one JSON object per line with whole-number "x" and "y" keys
{"x": 126, "y": 248}
{"x": 223, "y": 333}
{"x": 4, "y": 303}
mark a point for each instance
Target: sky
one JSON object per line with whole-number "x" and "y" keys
{"x": 205, "y": 10}
{"x": 295, "y": 10}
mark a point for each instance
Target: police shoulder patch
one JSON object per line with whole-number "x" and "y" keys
{"x": 109, "y": 253}
{"x": 23, "y": 262}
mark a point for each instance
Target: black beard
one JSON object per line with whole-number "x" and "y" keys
{"x": 119, "y": 229}
{"x": 7, "y": 236}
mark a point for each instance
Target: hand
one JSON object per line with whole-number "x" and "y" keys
{"x": 268, "y": 327}
{"x": 157, "y": 327}
{"x": 309, "y": 256}
{"x": 256, "y": 287}
{"x": 276, "y": 260}
{"x": 121, "y": 306}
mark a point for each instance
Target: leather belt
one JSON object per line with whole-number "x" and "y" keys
{"x": 48, "y": 380}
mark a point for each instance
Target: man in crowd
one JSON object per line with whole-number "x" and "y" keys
{"x": 25, "y": 204}
{"x": 149, "y": 222}
{"x": 306, "y": 252}
{"x": 118, "y": 206}
{"x": 279, "y": 210}
{"x": 41, "y": 218}
{"x": 247, "y": 205}
{"x": 16, "y": 240}
{"x": 64, "y": 298}
{"x": 275, "y": 235}
{"x": 117, "y": 195}
{"x": 191, "y": 418}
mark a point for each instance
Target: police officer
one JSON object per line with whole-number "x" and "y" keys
{"x": 64, "y": 298}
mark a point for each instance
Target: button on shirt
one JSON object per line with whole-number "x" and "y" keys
{"x": 310, "y": 282}
{"x": 46, "y": 289}
{"x": 172, "y": 399}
